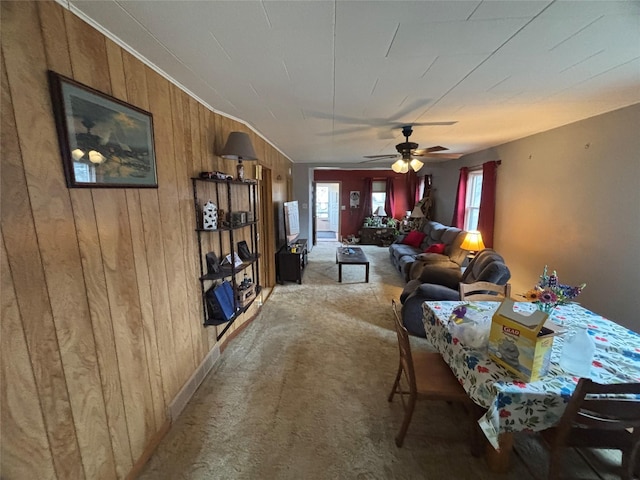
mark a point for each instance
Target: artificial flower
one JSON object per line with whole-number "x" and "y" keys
{"x": 549, "y": 292}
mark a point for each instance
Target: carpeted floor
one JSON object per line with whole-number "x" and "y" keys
{"x": 301, "y": 393}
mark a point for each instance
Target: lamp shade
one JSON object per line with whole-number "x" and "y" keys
{"x": 473, "y": 242}
{"x": 400, "y": 166}
{"x": 416, "y": 164}
{"x": 238, "y": 147}
{"x": 380, "y": 212}
{"x": 417, "y": 212}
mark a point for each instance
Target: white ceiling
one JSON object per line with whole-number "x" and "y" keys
{"x": 331, "y": 81}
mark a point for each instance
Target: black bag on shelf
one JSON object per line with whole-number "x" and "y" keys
{"x": 220, "y": 302}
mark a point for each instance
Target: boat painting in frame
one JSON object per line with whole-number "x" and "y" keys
{"x": 104, "y": 142}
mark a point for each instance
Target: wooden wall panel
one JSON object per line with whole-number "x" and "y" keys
{"x": 119, "y": 90}
{"x": 22, "y": 420}
{"x": 99, "y": 286}
{"x": 30, "y": 287}
{"x": 58, "y": 246}
{"x": 160, "y": 107}
{"x": 182, "y": 170}
{"x": 135, "y": 74}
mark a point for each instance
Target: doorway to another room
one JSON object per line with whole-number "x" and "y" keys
{"x": 327, "y": 211}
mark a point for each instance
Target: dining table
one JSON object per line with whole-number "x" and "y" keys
{"x": 513, "y": 405}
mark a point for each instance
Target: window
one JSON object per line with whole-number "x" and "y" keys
{"x": 378, "y": 194}
{"x": 322, "y": 204}
{"x": 472, "y": 202}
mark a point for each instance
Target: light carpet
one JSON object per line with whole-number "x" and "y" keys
{"x": 301, "y": 393}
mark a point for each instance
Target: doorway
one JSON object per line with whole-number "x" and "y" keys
{"x": 327, "y": 220}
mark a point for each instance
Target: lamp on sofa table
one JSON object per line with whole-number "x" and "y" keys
{"x": 473, "y": 243}
{"x": 417, "y": 215}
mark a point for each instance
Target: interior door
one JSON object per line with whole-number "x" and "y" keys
{"x": 313, "y": 214}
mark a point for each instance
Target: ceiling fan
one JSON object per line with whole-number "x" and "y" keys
{"x": 408, "y": 151}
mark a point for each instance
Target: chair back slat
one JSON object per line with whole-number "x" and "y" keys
{"x": 599, "y": 406}
{"x": 484, "y": 291}
{"x": 404, "y": 347}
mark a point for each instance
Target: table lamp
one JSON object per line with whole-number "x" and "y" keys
{"x": 239, "y": 147}
{"x": 473, "y": 243}
{"x": 380, "y": 212}
{"x": 417, "y": 215}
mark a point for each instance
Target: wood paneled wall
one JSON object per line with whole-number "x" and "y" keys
{"x": 101, "y": 314}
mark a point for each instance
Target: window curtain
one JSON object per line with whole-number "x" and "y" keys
{"x": 365, "y": 200}
{"x": 486, "y": 216}
{"x": 390, "y": 199}
{"x": 461, "y": 198}
{"x": 412, "y": 189}
{"x": 419, "y": 192}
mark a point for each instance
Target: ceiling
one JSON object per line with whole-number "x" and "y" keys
{"x": 332, "y": 81}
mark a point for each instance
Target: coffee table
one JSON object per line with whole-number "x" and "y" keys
{"x": 351, "y": 256}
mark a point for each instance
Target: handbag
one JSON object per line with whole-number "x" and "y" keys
{"x": 220, "y": 303}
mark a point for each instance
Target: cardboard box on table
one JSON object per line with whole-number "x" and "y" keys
{"x": 521, "y": 343}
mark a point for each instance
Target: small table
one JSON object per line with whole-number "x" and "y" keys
{"x": 351, "y": 256}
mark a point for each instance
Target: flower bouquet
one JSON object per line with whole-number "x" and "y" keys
{"x": 549, "y": 293}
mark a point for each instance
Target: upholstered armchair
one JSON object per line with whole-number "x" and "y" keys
{"x": 437, "y": 283}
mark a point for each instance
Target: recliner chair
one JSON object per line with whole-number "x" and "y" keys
{"x": 437, "y": 283}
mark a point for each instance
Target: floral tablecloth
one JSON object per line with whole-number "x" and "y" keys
{"x": 513, "y": 405}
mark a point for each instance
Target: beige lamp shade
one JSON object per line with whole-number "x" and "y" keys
{"x": 416, "y": 164}
{"x": 238, "y": 147}
{"x": 417, "y": 212}
{"x": 473, "y": 242}
{"x": 400, "y": 166}
{"x": 380, "y": 212}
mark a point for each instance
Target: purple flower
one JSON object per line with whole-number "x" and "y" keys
{"x": 548, "y": 296}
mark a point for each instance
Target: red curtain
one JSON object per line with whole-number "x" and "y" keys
{"x": 486, "y": 216}
{"x": 419, "y": 192}
{"x": 412, "y": 188}
{"x": 390, "y": 199}
{"x": 365, "y": 200}
{"x": 461, "y": 198}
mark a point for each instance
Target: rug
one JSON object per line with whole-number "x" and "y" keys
{"x": 302, "y": 392}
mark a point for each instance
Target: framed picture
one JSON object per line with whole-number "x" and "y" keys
{"x": 354, "y": 199}
{"x": 104, "y": 142}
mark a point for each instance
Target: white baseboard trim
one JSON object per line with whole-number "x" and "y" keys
{"x": 186, "y": 392}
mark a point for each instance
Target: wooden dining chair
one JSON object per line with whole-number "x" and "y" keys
{"x": 484, "y": 291}
{"x": 594, "y": 418}
{"x": 423, "y": 375}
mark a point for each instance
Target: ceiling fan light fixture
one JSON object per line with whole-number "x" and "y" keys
{"x": 400, "y": 166}
{"x": 416, "y": 164}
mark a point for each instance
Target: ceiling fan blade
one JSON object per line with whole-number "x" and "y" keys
{"x": 443, "y": 156}
{"x": 372, "y": 160}
{"x": 421, "y": 151}
{"x": 432, "y": 124}
{"x": 391, "y": 155}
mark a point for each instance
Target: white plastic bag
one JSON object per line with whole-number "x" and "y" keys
{"x": 471, "y": 325}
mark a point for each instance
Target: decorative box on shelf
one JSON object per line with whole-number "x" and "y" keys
{"x": 245, "y": 295}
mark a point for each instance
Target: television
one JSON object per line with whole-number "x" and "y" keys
{"x": 291, "y": 221}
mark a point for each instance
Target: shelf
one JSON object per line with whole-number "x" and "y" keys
{"x": 229, "y": 195}
{"x": 220, "y": 180}
{"x": 239, "y": 311}
{"x": 227, "y": 271}
{"x": 227, "y": 229}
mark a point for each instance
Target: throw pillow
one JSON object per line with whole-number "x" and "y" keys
{"x": 435, "y": 248}
{"x": 414, "y": 238}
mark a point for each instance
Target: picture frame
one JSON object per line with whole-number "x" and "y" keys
{"x": 104, "y": 141}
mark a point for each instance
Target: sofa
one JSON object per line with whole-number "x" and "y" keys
{"x": 443, "y": 243}
{"x": 438, "y": 283}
